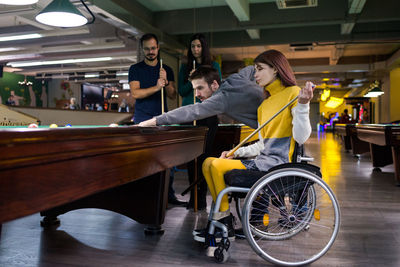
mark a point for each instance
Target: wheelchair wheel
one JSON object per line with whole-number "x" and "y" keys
{"x": 291, "y": 217}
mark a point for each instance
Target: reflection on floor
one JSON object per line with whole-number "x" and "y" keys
{"x": 369, "y": 234}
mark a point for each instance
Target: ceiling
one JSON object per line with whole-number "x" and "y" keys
{"x": 325, "y": 41}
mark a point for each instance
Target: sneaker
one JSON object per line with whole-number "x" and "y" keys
{"x": 228, "y": 221}
{"x": 210, "y": 251}
{"x": 199, "y": 231}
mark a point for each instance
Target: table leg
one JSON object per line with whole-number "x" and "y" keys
{"x": 347, "y": 142}
{"x": 396, "y": 158}
{"x": 380, "y": 155}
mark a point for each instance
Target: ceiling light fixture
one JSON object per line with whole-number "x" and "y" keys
{"x": 325, "y": 95}
{"x": 374, "y": 92}
{"x": 17, "y": 64}
{"x": 18, "y": 3}
{"x": 334, "y": 102}
{"x": 122, "y": 73}
{"x": 62, "y": 13}
{"x": 20, "y": 37}
{"x": 92, "y": 75}
{"x": 8, "y": 49}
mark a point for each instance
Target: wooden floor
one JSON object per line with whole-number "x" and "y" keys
{"x": 369, "y": 233}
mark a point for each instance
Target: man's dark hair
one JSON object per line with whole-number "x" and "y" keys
{"x": 148, "y": 36}
{"x": 208, "y": 73}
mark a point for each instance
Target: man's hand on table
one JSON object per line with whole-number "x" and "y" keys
{"x": 148, "y": 123}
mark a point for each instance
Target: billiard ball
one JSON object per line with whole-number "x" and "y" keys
{"x": 33, "y": 125}
{"x": 68, "y": 125}
{"x": 53, "y": 125}
{"x": 113, "y": 125}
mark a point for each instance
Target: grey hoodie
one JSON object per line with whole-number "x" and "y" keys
{"x": 237, "y": 97}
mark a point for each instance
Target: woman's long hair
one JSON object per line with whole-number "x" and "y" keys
{"x": 205, "y": 53}
{"x": 277, "y": 60}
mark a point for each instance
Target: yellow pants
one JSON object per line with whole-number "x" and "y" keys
{"x": 214, "y": 170}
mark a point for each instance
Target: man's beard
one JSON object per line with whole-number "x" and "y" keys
{"x": 151, "y": 59}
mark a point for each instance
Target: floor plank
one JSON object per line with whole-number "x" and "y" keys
{"x": 369, "y": 233}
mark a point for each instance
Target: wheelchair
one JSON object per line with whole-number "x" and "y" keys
{"x": 290, "y": 216}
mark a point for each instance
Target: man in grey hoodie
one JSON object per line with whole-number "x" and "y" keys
{"x": 237, "y": 97}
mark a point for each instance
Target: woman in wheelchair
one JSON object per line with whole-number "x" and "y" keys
{"x": 276, "y": 140}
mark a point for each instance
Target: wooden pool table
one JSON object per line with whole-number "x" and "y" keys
{"x": 122, "y": 169}
{"x": 383, "y": 139}
{"x": 348, "y": 134}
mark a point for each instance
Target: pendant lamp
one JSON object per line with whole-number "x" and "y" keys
{"x": 61, "y": 13}
{"x": 374, "y": 92}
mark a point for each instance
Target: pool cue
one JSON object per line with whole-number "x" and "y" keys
{"x": 230, "y": 153}
{"x": 194, "y": 95}
{"x": 162, "y": 93}
{"x": 195, "y": 159}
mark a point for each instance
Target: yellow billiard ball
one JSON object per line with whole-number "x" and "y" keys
{"x": 53, "y": 125}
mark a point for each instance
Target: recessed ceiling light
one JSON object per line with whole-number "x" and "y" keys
{"x": 92, "y": 75}
{"x": 18, "y": 3}
{"x": 55, "y": 62}
{"x": 20, "y": 37}
{"x": 7, "y": 49}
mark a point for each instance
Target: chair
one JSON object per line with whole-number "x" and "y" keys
{"x": 290, "y": 216}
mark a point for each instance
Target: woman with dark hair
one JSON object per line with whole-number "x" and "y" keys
{"x": 276, "y": 140}
{"x": 198, "y": 55}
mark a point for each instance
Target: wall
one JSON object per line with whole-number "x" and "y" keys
{"x": 339, "y": 109}
{"x": 384, "y": 101}
{"x": 9, "y": 85}
{"x": 60, "y": 89}
{"x": 395, "y": 94}
{"x": 314, "y": 115}
{"x": 125, "y": 94}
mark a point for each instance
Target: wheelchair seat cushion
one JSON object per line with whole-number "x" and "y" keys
{"x": 247, "y": 178}
{"x": 243, "y": 178}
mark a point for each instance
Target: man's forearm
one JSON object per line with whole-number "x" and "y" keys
{"x": 144, "y": 92}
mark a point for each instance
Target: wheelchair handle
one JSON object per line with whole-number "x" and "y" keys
{"x": 304, "y": 159}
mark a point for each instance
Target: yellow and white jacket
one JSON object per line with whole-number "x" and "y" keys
{"x": 277, "y": 139}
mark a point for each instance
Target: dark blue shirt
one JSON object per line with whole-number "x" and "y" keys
{"x": 147, "y": 108}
